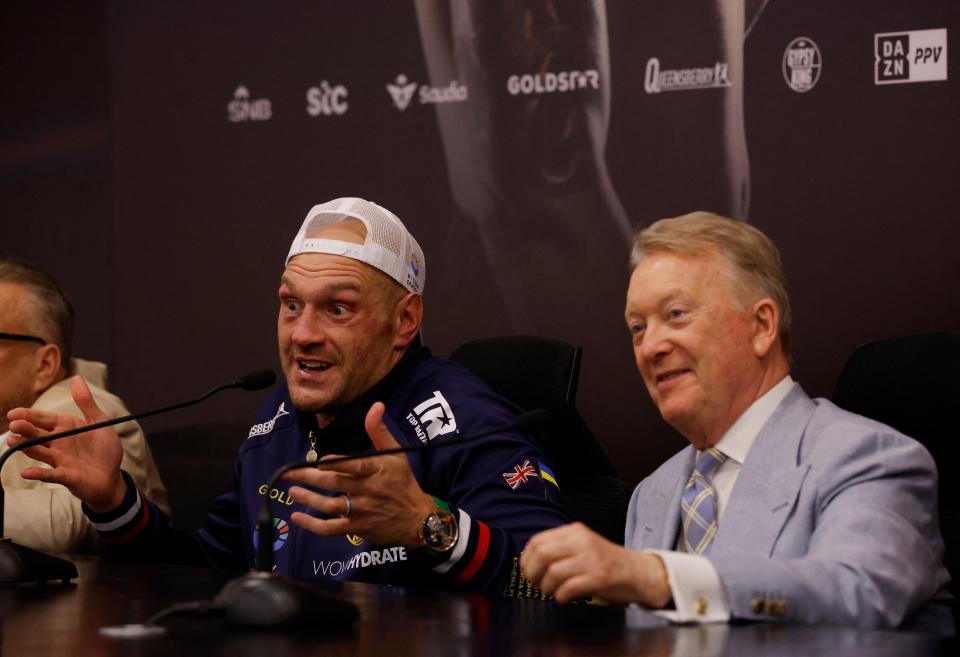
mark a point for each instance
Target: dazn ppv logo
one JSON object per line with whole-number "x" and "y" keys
{"x": 918, "y": 56}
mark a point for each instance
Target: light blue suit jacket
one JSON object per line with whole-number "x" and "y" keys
{"x": 833, "y": 519}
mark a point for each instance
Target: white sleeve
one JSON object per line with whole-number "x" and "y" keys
{"x": 698, "y": 594}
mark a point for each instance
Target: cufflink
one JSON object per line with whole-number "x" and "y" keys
{"x": 700, "y": 605}
{"x": 764, "y": 607}
{"x": 777, "y": 608}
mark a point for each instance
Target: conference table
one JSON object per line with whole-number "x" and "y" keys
{"x": 66, "y": 620}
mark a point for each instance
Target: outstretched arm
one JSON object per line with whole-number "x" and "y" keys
{"x": 87, "y": 464}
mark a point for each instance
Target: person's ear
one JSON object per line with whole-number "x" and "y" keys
{"x": 408, "y": 318}
{"x": 766, "y": 326}
{"x": 47, "y": 368}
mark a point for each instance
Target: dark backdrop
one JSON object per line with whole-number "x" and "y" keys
{"x": 123, "y": 174}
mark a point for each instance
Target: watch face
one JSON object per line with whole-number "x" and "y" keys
{"x": 440, "y": 531}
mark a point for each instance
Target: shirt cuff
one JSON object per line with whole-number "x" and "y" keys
{"x": 698, "y": 595}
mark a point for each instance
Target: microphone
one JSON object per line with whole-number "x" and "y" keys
{"x": 263, "y": 599}
{"x": 255, "y": 380}
{"x": 22, "y": 564}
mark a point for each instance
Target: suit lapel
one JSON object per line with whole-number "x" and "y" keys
{"x": 661, "y": 520}
{"x": 769, "y": 482}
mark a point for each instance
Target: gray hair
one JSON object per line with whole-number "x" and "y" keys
{"x": 755, "y": 267}
{"x": 52, "y": 313}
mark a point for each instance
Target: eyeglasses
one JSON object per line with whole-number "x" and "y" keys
{"x": 21, "y": 338}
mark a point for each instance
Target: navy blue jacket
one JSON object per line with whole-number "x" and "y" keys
{"x": 499, "y": 488}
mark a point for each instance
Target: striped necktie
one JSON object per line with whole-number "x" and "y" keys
{"x": 698, "y": 506}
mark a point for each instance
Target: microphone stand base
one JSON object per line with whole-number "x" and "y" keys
{"x": 265, "y": 600}
{"x": 22, "y": 565}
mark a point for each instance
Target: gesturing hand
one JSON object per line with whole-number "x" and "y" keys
{"x": 87, "y": 464}
{"x": 387, "y": 504}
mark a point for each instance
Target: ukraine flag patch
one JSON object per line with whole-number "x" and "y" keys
{"x": 547, "y": 475}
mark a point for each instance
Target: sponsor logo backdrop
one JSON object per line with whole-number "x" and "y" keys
{"x": 523, "y": 143}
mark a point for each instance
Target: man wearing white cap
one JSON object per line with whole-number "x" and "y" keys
{"x": 348, "y": 328}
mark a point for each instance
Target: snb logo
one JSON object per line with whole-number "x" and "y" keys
{"x": 402, "y": 92}
{"x": 432, "y": 418}
{"x": 242, "y": 108}
{"x": 327, "y": 99}
{"x": 801, "y": 64}
{"x": 917, "y": 56}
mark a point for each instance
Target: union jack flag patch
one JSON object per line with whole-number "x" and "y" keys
{"x": 520, "y": 475}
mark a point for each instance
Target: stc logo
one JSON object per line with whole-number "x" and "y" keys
{"x": 327, "y": 100}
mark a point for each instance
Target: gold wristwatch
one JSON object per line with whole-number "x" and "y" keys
{"x": 439, "y": 531}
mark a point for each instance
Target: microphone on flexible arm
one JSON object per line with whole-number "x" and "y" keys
{"x": 19, "y": 563}
{"x": 261, "y": 598}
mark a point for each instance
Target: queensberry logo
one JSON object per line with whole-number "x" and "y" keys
{"x": 267, "y": 427}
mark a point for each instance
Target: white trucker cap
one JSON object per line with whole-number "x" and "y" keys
{"x": 389, "y": 246}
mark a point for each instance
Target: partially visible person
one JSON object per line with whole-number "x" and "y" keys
{"x": 36, "y": 364}
{"x": 782, "y": 507}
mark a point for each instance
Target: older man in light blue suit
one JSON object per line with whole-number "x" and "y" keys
{"x": 782, "y": 507}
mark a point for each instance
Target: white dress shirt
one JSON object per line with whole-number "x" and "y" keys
{"x": 698, "y": 594}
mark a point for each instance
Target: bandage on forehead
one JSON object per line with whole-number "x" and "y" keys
{"x": 388, "y": 245}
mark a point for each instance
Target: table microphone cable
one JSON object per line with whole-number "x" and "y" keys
{"x": 152, "y": 627}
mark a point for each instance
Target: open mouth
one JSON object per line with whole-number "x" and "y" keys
{"x": 312, "y": 366}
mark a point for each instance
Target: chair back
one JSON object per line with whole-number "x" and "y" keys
{"x": 534, "y": 372}
{"x": 912, "y": 383}
{"x": 195, "y": 463}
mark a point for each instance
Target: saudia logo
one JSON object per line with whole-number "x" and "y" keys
{"x": 242, "y": 108}
{"x": 402, "y": 90}
{"x": 354, "y": 539}
{"x": 267, "y": 427}
{"x": 432, "y": 418}
{"x": 684, "y": 79}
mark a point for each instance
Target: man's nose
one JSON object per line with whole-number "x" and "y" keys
{"x": 308, "y": 329}
{"x": 655, "y": 343}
